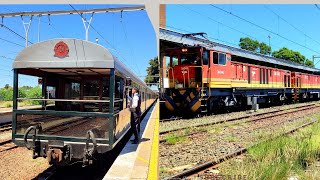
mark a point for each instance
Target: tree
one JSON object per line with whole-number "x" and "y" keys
{"x": 7, "y": 86}
{"x": 287, "y": 54}
{"x": 249, "y": 44}
{"x": 153, "y": 72}
{"x": 309, "y": 63}
{"x": 264, "y": 48}
{"x": 254, "y": 45}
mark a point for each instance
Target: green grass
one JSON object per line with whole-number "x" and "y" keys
{"x": 172, "y": 139}
{"x": 231, "y": 138}
{"x": 281, "y": 158}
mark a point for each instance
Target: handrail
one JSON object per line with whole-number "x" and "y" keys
{"x": 69, "y": 100}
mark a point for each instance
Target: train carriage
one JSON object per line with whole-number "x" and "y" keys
{"x": 83, "y": 105}
{"x": 204, "y": 76}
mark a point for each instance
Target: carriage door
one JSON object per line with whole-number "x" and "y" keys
{"x": 205, "y": 67}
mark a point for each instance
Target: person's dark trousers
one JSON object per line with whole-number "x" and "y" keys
{"x": 134, "y": 126}
{"x": 139, "y": 120}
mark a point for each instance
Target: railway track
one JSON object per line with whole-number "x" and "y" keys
{"x": 203, "y": 170}
{"x": 7, "y": 145}
{"x": 254, "y": 117}
{"x": 5, "y": 127}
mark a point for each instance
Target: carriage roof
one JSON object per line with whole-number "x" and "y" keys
{"x": 90, "y": 58}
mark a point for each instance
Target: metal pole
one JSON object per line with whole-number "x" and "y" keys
{"x": 15, "y": 102}
{"x": 39, "y": 28}
{"x": 26, "y": 26}
{"x": 269, "y": 44}
{"x": 85, "y": 23}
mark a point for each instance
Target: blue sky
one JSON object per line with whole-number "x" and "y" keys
{"x": 206, "y": 18}
{"x": 131, "y": 38}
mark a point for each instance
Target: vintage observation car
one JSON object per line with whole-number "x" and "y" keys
{"x": 204, "y": 76}
{"x": 83, "y": 106}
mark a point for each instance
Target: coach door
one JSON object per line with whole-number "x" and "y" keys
{"x": 205, "y": 66}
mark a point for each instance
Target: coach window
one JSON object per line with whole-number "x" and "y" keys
{"x": 174, "y": 60}
{"x": 119, "y": 83}
{"x": 222, "y": 59}
{"x": 205, "y": 57}
{"x": 285, "y": 80}
{"x": 215, "y": 58}
{"x": 260, "y": 76}
{"x": 267, "y": 77}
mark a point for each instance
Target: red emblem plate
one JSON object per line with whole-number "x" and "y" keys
{"x": 61, "y": 50}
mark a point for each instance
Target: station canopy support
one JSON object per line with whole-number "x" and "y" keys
{"x": 86, "y": 23}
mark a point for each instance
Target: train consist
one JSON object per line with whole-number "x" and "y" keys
{"x": 204, "y": 76}
{"x": 83, "y": 106}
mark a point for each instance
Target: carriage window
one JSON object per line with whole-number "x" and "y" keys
{"x": 190, "y": 58}
{"x": 215, "y": 58}
{"x": 205, "y": 58}
{"x": 174, "y": 60}
{"x": 105, "y": 87}
{"x": 91, "y": 89}
{"x": 72, "y": 91}
{"x": 267, "y": 77}
{"x": 222, "y": 59}
{"x": 285, "y": 80}
{"x": 260, "y": 76}
{"x": 270, "y": 72}
{"x": 118, "y": 93}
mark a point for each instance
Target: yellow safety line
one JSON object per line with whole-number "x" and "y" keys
{"x": 153, "y": 167}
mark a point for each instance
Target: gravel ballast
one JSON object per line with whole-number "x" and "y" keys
{"x": 210, "y": 142}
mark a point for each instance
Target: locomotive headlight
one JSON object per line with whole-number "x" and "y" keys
{"x": 184, "y": 50}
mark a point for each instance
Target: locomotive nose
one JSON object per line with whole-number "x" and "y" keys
{"x": 183, "y": 101}
{"x": 183, "y": 74}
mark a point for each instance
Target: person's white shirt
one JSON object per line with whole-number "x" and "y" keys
{"x": 134, "y": 102}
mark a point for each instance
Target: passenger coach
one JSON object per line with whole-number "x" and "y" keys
{"x": 83, "y": 104}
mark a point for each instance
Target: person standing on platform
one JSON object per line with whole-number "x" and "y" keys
{"x": 135, "y": 108}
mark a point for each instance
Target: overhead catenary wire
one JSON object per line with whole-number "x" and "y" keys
{"x": 209, "y": 37}
{"x": 263, "y": 28}
{"x": 241, "y": 32}
{"x": 8, "y": 41}
{"x": 302, "y": 32}
{"x": 126, "y": 37}
{"x": 100, "y": 34}
{"x": 2, "y": 25}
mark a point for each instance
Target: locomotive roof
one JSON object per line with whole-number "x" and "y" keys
{"x": 81, "y": 55}
{"x": 176, "y": 37}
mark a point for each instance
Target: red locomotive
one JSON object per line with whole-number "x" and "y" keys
{"x": 203, "y": 78}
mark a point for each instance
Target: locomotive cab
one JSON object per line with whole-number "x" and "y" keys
{"x": 186, "y": 66}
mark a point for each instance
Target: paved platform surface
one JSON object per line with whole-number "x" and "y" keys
{"x": 139, "y": 161}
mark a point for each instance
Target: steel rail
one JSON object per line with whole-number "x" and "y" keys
{"x": 7, "y": 148}
{"x": 210, "y": 164}
{"x": 305, "y": 107}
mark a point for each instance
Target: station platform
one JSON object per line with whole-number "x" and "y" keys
{"x": 139, "y": 161}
